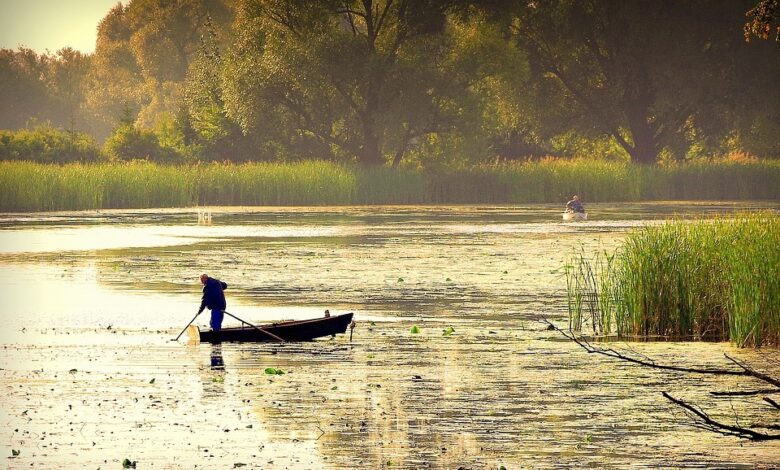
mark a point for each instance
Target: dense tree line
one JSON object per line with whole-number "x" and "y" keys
{"x": 432, "y": 83}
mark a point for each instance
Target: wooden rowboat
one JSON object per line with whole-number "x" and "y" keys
{"x": 298, "y": 330}
{"x": 575, "y": 216}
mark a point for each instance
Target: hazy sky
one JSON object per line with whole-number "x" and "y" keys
{"x": 52, "y": 24}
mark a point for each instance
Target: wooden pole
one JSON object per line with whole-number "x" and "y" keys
{"x": 277, "y": 338}
{"x": 185, "y": 328}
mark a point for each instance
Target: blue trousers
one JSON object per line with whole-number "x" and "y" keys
{"x": 216, "y": 319}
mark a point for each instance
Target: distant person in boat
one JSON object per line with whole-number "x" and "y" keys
{"x": 214, "y": 299}
{"x": 575, "y": 205}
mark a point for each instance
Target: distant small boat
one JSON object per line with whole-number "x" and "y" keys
{"x": 298, "y": 330}
{"x": 575, "y": 215}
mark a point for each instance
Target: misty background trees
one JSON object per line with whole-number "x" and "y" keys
{"x": 424, "y": 83}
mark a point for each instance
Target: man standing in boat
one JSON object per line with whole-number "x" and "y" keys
{"x": 214, "y": 299}
{"x": 575, "y": 205}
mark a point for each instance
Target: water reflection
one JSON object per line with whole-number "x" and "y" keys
{"x": 213, "y": 377}
{"x": 217, "y": 363}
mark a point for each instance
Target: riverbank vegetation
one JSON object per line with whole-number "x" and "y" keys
{"x": 706, "y": 280}
{"x": 438, "y": 85}
{"x": 29, "y": 186}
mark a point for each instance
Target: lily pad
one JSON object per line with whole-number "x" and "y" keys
{"x": 448, "y": 331}
{"x": 415, "y": 330}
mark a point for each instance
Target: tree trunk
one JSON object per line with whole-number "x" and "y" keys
{"x": 645, "y": 148}
{"x": 369, "y": 152}
{"x": 402, "y": 149}
{"x": 643, "y": 155}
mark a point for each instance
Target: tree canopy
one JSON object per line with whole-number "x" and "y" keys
{"x": 431, "y": 83}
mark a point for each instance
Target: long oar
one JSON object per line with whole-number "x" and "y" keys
{"x": 185, "y": 328}
{"x": 277, "y": 338}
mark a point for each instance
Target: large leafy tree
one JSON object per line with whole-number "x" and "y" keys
{"x": 203, "y": 120}
{"x": 652, "y": 75}
{"x": 356, "y": 79}
{"x": 66, "y": 83}
{"x": 143, "y": 52}
{"x": 22, "y": 92}
{"x": 46, "y": 87}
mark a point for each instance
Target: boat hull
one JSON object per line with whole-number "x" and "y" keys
{"x": 575, "y": 216}
{"x": 301, "y": 330}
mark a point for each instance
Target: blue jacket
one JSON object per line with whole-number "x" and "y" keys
{"x": 575, "y": 206}
{"x": 213, "y": 297}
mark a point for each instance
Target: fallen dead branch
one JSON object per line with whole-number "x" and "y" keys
{"x": 745, "y": 370}
{"x": 709, "y": 424}
{"x": 772, "y": 402}
{"x": 745, "y": 393}
{"x": 700, "y": 418}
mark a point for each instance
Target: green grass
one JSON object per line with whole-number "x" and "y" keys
{"x": 713, "y": 279}
{"x": 27, "y": 186}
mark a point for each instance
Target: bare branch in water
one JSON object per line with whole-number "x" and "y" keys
{"x": 705, "y": 422}
{"x": 701, "y": 419}
{"x": 753, "y": 373}
{"x": 584, "y": 344}
{"x": 747, "y": 393}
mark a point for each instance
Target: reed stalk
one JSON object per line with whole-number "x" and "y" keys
{"x": 713, "y": 279}
{"x": 27, "y": 186}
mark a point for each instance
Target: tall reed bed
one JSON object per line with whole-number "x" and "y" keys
{"x": 715, "y": 279}
{"x": 26, "y": 186}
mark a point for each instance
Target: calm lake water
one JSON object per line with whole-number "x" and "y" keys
{"x": 90, "y": 376}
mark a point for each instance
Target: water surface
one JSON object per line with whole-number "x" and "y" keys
{"x": 93, "y": 298}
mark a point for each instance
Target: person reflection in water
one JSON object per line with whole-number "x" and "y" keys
{"x": 213, "y": 376}
{"x": 217, "y": 363}
{"x": 214, "y": 299}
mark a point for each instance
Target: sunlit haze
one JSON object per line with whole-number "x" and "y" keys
{"x": 51, "y": 24}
